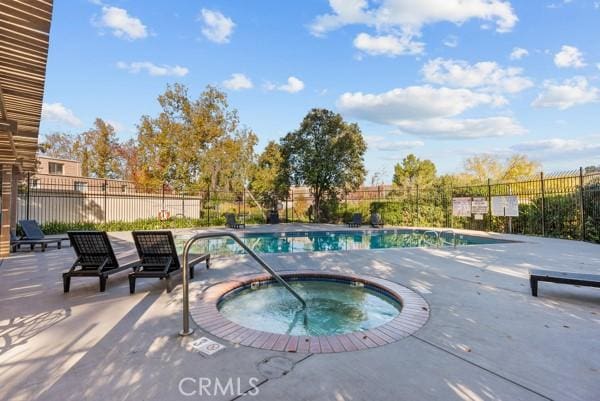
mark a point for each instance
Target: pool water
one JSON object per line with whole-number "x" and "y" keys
{"x": 319, "y": 241}
{"x": 333, "y": 307}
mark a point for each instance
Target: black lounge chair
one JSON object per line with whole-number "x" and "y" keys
{"x": 376, "y": 220}
{"x": 535, "y": 275}
{"x": 15, "y": 242}
{"x": 158, "y": 258}
{"x": 231, "y": 222}
{"x": 32, "y": 231}
{"x": 356, "y": 220}
{"x": 95, "y": 258}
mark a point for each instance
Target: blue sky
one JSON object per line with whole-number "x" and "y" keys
{"x": 436, "y": 78}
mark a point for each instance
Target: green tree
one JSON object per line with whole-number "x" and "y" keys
{"x": 266, "y": 182}
{"x": 98, "y": 151}
{"x": 191, "y": 143}
{"x": 414, "y": 171}
{"x": 326, "y": 154}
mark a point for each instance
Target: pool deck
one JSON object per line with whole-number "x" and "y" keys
{"x": 487, "y": 338}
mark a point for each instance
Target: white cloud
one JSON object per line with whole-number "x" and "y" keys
{"x": 413, "y": 103}
{"x": 428, "y": 111}
{"x": 550, "y": 149}
{"x": 293, "y": 85}
{"x": 216, "y": 27}
{"x": 153, "y": 69}
{"x": 409, "y": 16}
{"x": 389, "y": 45}
{"x": 463, "y": 128}
{"x": 485, "y": 75}
{"x": 451, "y": 41}
{"x": 518, "y": 53}
{"x": 570, "y": 93}
{"x": 238, "y": 81}
{"x": 569, "y": 56}
{"x": 122, "y": 24}
{"x": 383, "y": 144}
{"x": 57, "y": 112}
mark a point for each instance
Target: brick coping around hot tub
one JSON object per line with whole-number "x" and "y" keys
{"x": 414, "y": 314}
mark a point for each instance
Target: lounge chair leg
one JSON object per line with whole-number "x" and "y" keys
{"x": 169, "y": 283}
{"x": 32, "y": 246}
{"x": 103, "y": 283}
{"x": 59, "y": 245}
{"x": 131, "y": 284}
{"x": 208, "y": 262}
{"x": 192, "y": 268}
{"x": 44, "y": 247}
{"x": 66, "y": 282}
{"x": 534, "y": 286}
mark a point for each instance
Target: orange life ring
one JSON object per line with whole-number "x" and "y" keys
{"x": 164, "y": 215}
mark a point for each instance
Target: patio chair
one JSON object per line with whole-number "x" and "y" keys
{"x": 158, "y": 258}
{"x": 15, "y": 242}
{"x": 32, "y": 231}
{"x": 231, "y": 222}
{"x": 95, "y": 258}
{"x": 376, "y": 220}
{"x": 356, "y": 220}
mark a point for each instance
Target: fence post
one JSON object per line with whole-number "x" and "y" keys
{"x": 417, "y": 186}
{"x": 208, "y": 207}
{"x": 582, "y": 200}
{"x": 183, "y": 203}
{"x": 105, "y": 210}
{"x": 28, "y": 187}
{"x": 543, "y": 204}
{"x": 489, "y": 204}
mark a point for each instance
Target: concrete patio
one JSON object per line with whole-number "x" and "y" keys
{"x": 487, "y": 337}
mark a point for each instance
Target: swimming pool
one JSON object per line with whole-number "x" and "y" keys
{"x": 324, "y": 241}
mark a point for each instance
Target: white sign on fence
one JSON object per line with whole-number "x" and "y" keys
{"x": 461, "y": 207}
{"x": 479, "y": 206}
{"x": 505, "y": 206}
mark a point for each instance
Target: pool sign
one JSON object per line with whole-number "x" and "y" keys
{"x": 461, "y": 207}
{"x": 479, "y": 206}
{"x": 206, "y": 346}
{"x": 505, "y": 206}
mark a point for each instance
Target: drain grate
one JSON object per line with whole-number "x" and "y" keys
{"x": 275, "y": 367}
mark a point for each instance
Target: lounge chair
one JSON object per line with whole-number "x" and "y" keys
{"x": 376, "y": 220}
{"x": 158, "y": 258}
{"x": 356, "y": 220}
{"x": 231, "y": 222}
{"x": 15, "y": 242}
{"x": 95, "y": 258}
{"x": 535, "y": 275}
{"x": 32, "y": 231}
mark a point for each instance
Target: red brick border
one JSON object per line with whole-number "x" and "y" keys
{"x": 414, "y": 314}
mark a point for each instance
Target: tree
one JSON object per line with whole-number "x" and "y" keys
{"x": 325, "y": 154}
{"x": 192, "y": 143}
{"x": 59, "y": 145}
{"x": 479, "y": 168}
{"x": 266, "y": 178}
{"x": 414, "y": 171}
{"x": 98, "y": 151}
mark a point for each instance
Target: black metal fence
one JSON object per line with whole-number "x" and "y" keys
{"x": 563, "y": 205}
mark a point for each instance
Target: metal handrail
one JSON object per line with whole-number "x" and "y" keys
{"x": 450, "y": 232}
{"x": 186, "y": 331}
{"x": 437, "y": 236}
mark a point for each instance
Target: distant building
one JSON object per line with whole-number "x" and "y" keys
{"x": 66, "y": 175}
{"x": 53, "y": 166}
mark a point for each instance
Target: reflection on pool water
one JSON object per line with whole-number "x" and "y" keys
{"x": 318, "y": 241}
{"x": 333, "y": 307}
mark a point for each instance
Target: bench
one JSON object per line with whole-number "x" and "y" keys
{"x": 535, "y": 275}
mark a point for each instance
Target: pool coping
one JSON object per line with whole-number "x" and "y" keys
{"x": 414, "y": 314}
